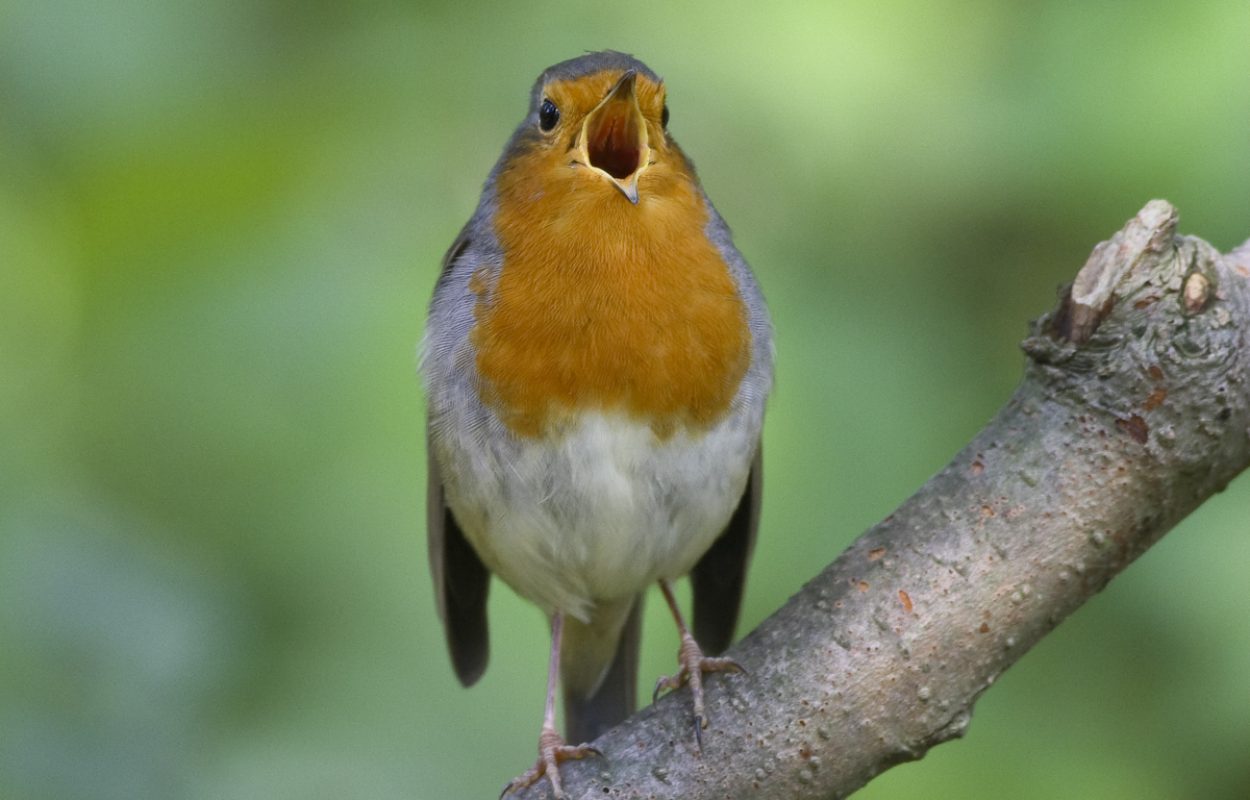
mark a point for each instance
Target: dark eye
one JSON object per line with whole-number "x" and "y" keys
{"x": 664, "y": 116}
{"x": 548, "y": 115}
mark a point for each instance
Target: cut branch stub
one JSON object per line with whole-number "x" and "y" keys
{"x": 1148, "y": 317}
{"x": 1143, "y": 242}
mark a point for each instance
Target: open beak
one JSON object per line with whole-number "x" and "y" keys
{"x": 613, "y": 139}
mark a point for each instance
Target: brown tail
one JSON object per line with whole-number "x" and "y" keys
{"x": 587, "y": 716}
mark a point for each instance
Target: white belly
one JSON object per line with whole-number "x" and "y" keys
{"x": 600, "y": 513}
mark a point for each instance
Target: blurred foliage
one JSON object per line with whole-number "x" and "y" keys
{"x": 219, "y": 226}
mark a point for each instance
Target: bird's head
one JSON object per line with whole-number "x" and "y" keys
{"x": 598, "y": 125}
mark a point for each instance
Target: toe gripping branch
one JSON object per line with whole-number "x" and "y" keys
{"x": 693, "y": 665}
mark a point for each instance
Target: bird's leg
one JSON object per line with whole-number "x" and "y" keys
{"x": 551, "y": 746}
{"x": 693, "y": 665}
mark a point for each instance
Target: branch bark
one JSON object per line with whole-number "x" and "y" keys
{"x": 1134, "y": 408}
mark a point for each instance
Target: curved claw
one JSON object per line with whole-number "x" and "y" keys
{"x": 668, "y": 682}
{"x": 519, "y": 782}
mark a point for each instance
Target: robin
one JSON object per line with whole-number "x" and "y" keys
{"x": 597, "y": 360}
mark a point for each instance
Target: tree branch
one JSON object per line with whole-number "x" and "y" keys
{"x": 1134, "y": 408}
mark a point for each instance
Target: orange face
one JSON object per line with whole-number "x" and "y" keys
{"x": 611, "y": 296}
{"x": 606, "y": 127}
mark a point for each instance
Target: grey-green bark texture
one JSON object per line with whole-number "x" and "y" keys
{"x": 1134, "y": 408}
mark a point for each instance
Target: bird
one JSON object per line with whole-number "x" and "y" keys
{"x": 597, "y": 360}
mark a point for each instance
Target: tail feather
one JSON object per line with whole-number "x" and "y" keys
{"x": 586, "y": 715}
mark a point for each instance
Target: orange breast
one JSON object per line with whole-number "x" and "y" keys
{"x": 603, "y": 305}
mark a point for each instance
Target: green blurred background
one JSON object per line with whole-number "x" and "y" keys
{"x": 220, "y": 224}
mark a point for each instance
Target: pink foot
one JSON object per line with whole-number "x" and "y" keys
{"x": 551, "y": 751}
{"x": 693, "y": 665}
